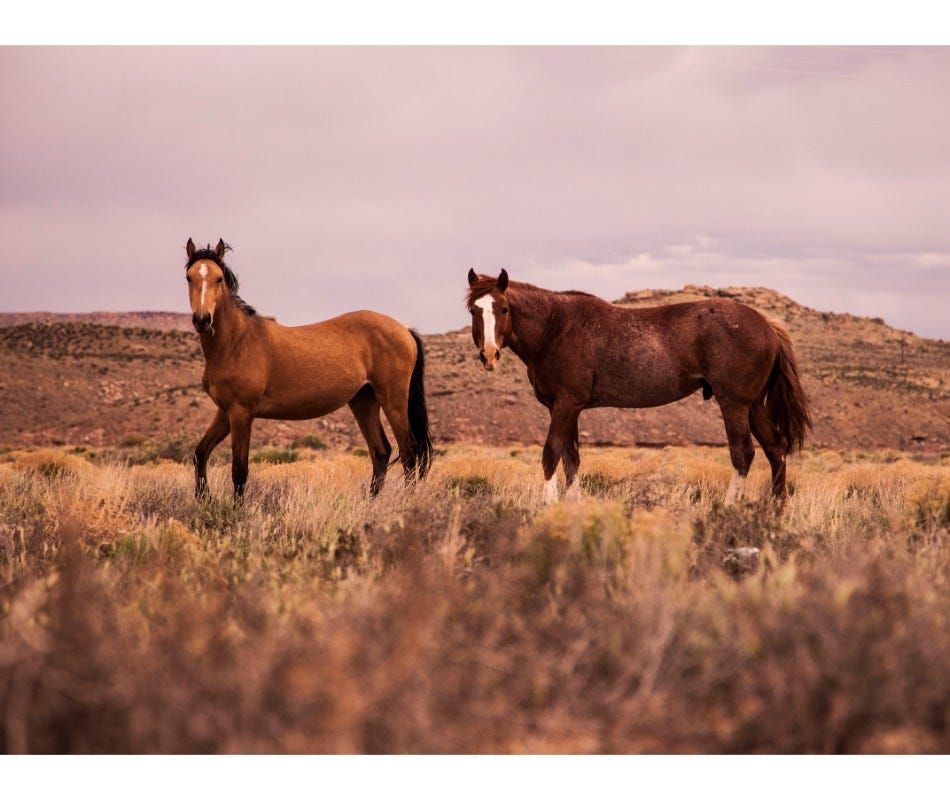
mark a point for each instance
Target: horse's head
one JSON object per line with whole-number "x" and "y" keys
{"x": 491, "y": 317}
{"x": 208, "y": 281}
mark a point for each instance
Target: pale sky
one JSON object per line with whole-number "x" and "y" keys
{"x": 350, "y": 178}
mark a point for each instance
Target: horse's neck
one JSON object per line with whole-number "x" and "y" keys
{"x": 532, "y": 321}
{"x": 230, "y": 324}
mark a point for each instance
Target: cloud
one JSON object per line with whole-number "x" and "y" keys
{"x": 375, "y": 177}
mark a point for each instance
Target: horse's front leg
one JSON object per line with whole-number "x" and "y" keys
{"x": 561, "y": 444}
{"x": 240, "y": 420}
{"x": 219, "y": 428}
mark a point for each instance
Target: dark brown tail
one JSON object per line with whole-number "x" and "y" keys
{"x": 786, "y": 403}
{"x": 418, "y": 414}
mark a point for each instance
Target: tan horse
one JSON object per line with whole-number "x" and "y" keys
{"x": 255, "y": 367}
{"x": 582, "y": 352}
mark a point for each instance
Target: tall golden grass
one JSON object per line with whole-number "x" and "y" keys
{"x": 465, "y": 616}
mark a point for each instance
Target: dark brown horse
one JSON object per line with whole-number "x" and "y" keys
{"x": 582, "y": 352}
{"x": 255, "y": 367}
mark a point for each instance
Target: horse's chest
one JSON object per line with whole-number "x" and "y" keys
{"x": 212, "y": 388}
{"x": 544, "y": 390}
{"x": 226, "y": 389}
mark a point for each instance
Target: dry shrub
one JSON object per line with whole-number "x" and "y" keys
{"x": 928, "y": 504}
{"x": 313, "y": 619}
{"x": 178, "y": 447}
{"x": 50, "y": 464}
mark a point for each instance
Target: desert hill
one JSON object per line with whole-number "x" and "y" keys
{"x": 111, "y": 379}
{"x": 152, "y": 320}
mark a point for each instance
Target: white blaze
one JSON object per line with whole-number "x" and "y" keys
{"x": 488, "y": 319}
{"x": 203, "y": 272}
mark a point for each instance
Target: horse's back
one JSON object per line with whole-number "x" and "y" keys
{"x": 313, "y": 369}
{"x": 355, "y": 340}
{"x": 731, "y": 344}
{"x": 717, "y": 321}
{"x": 354, "y": 329}
{"x": 726, "y": 322}
{"x": 654, "y": 355}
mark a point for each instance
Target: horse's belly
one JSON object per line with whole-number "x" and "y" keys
{"x": 631, "y": 390}
{"x": 297, "y": 411}
{"x": 639, "y": 399}
{"x": 304, "y": 405}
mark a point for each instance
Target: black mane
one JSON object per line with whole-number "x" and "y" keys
{"x": 230, "y": 279}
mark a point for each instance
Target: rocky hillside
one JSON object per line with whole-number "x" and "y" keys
{"x": 76, "y": 380}
{"x": 153, "y": 320}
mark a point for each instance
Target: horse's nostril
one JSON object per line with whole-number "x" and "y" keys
{"x": 482, "y": 358}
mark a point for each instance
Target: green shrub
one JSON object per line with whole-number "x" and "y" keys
{"x": 309, "y": 441}
{"x": 178, "y": 448}
{"x": 131, "y": 549}
{"x": 470, "y": 485}
{"x": 597, "y": 483}
{"x": 275, "y": 455}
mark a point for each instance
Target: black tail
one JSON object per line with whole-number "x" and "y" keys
{"x": 786, "y": 402}
{"x": 418, "y": 414}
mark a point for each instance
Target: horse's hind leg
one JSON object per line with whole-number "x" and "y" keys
{"x": 741, "y": 449}
{"x": 395, "y": 405}
{"x": 219, "y": 428}
{"x": 774, "y": 445}
{"x": 365, "y": 407}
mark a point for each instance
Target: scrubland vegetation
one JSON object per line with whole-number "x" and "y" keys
{"x": 465, "y": 616}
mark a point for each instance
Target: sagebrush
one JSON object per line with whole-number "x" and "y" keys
{"x": 464, "y": 616}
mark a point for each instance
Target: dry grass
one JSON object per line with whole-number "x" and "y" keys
{"x": 467, "y": 617}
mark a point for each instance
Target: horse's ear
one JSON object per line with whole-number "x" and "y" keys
{"x": 220, "y": 248}
{"x": 472, "y": 277}
{"x": 190, "y": 248}
{"x": 502, "y": 282}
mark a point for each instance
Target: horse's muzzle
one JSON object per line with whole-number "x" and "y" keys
{"x": 489, "y": 360}
{"x": 202, "y": 322}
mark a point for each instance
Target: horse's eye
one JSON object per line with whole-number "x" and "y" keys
{"x": 220, "y": 279}
{"x": 504, "y": 311}
{"x": 188, "y": 278}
